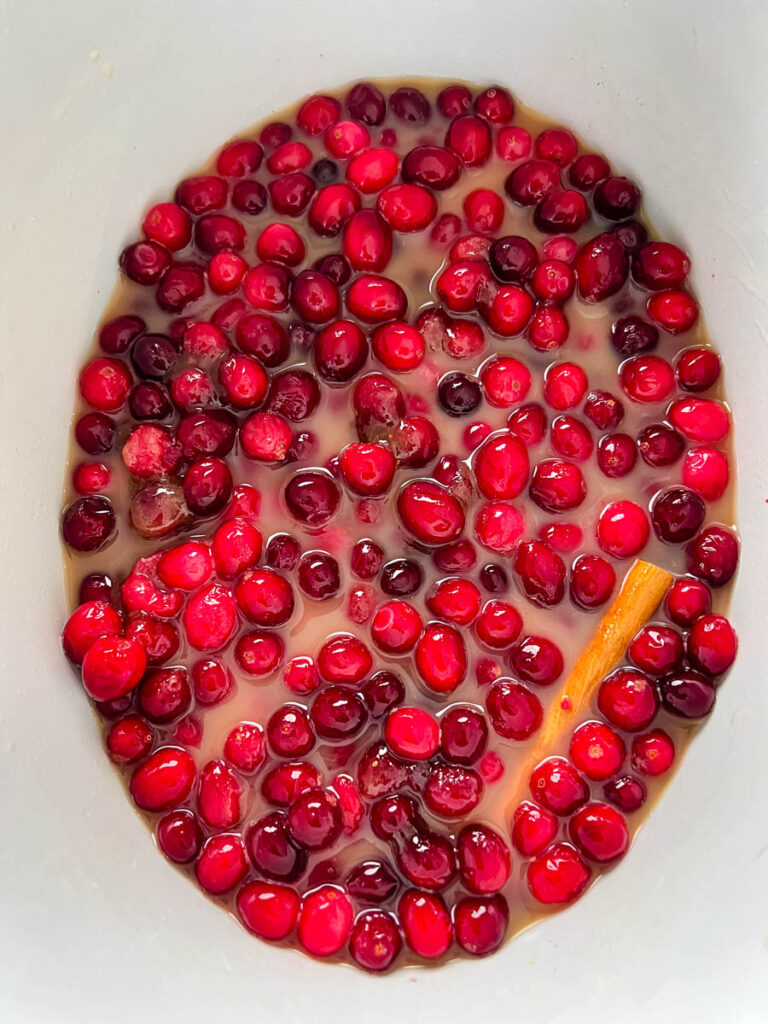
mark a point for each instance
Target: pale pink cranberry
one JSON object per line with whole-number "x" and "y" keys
{"x": 541, "y": 572}
{"x": 686, "y": 601}
{"x": 259, "y": 653}
{"x": 344, "y": 659}
{"x": 491, "y": 767}
{"x": 697, "y": 369}
{"x": 272, "y": 850}
{"x": 412, "y": 734}
{"x": 222, "y": 863}
{"x": 515, "y": 712}
{"x": 553, "y": 281}
{"x": 361, "y": 603}
{"x": 537, "y": 660}
{"x": 319, "y": 575}
{"x": 603, "y": 409}
{"x": 593, "y": 580}
{"x": 623, "y": 529}
{"x": 376, "y": 300}
{"x": 129, "y": 739}
{"x": 212, "y": 682}
{"x": 532, "y": 182}
{"x": 557, "y": 785}
{"x": 513, "y": 143}
{"x": 455, "y": 599}
{"x": 441, "y": 657}
{"x": 652, "y": 752}
{"x": 713, "y": 556}
{"x": 587, "y": 170}
{"x": 533, "y": 828}
{"x": 373, "y": 170}
{"x": 470, "y": 139}
{"x": 601, "y": 267}
{"x": 430, "y": 512}
{"x": 88, "y": 623}
{"x": 616, "y": 455}
{"x": 501, "y": 466}
{"x": 112, "y": 666}
{"x": 558, "y": 875}
{"x": 600, "y": 832}
{"x": 164, "y": 694}
{"x": 179, "y": 836}
{"x": 712, "y": 644}
{"x": 151, "y": 452}
{"x": 529, "y": 422}
{"x": 267, "y": 909}
{"x": 244, "y": 747}
{"x": 616, "y": 198}
{"x": 627, "y": 793}
{"x": 560, "y": 247}
{"x": 597, "y": 750}
{"x": 506, "y": 381}
{"x": 432, "y": 166}
{"x": 164, "y": 780}
{"x": 498, "y": 625}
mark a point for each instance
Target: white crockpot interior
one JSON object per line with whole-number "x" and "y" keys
{"x": 104, "y": 106}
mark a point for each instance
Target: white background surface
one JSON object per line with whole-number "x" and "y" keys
{"x": 94, "y": 926}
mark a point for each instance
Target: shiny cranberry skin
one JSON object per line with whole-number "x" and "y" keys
{"x": 652, "y": 753}
{"x": 312, "y": 497}
{"x": 697, "y": 369}
{"x": 272, "y": 851}
{"x": 532, "y": 182}
{"x": 470, "y": 139}
{"x": 632, "y": 335}
{"x": 432, "y": 166}
{"x": 688, "y": 694}
{"x": 558, "y": 875}
{"x": 372, "y": 882}
{"x": 627, "y": 793}
{"x": 365, "y": 103}
{"x": 677, "y": 514}
{"x": 289, "y": 731}
{"x": 557, "y": 486}
{"x": 463, "y": 734}
{"x": 344, "y": 658}
{"x": 623, "y": 529}
{"x": 597, "y": 751}
{"x": 601, "y": 267}
{"x": 616, "y": 198}
{"x": 430, "y": 512}
{"x": 660, "y": 265}
{"x": 441, "y": 657}
{"x": 401, "y": 577}
{"x": 454, "y": 100}
{"x": 88, "y": 523}
{"x": 656, "y": 649}
{"x": 314, "y": 819}
{"x": 375, "y": 941}
{"x": 95, "y": 432}
{"x": 426, "y": 923}
{"x": 514, "y": 711}
{"x": 541, "y": 573}
{"x": 501, "y": 466}
{"x": 427, "y": 859}
{"x": 163, "y": 780}
{"x": 513, "y": 259}
{"x": 207, "y": 486}
{"x": 713, "y": 556}
{"x": 483, "y": 857}
{"x": 600, "y": 832}
{"x": 603, "y": 409}
{"x": 537, "y": 660}
{"x": 533, "y": 828}
{"x": 179, "y": 836}
{"x": 212, "y": 682}
{"x": 628, "y": 699}
{"x": 587, "y": 170}
{"x": 376, "y": 300}
{"x": 529, "y": 422}
{"x": 712, "y": 644}
{"x": 592, "y": 581}
{"x": 319, "y": 575}
{"x": 660, "y": 445}
{"x": 337, "y": 713}
{"x": 686, "y": 601}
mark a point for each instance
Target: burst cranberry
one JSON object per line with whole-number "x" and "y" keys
{"x": 514, "y": 711}
{"x": 537, "y": 660}
{"x": 532, "y": 828}
{"x": 558, "y": 786}
{"x": 319, "y": 575}
{"x": 163, "y": 780}
{"x": 653, "y": 753}
{"x": 380, "y": 773}
{"x": 541, "y": 572}
{"x": 558, "y": 875}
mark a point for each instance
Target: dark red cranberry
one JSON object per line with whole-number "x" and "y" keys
{"x": 95, "y": 432}
{"x": 249, "y": 197}
{"x": 373, "y": 881}
{"x": 325, "y": 171}
{"x": 410, "y": 105}
{"x": 616, "y": 198}
{"x": 589, "y": 168}
{"x": 150, "y": 401}
{"x": 97, "y": 586}
{"x": 454, "y": 100}
{"x": 319, "y": 575}
{"x": 153, "y": 356}
{"x": 207, "y": 486}
{"x": 434, "y": 166}
{"x": 532, "y": 182}
{"x": 713, "y": 555}
{"x": 184, "y": 283}
{"x": 513, "y": 259}
{"x": 604, "y": 409}
{"x": 264, "y": 337}
{"x": 272, "y": 851}
{"x": 631, "y": 234}
{"x": 282, "y": 551}
{"x": 541, "y": 572}
{"x": 601, "y": 267}
{"x": 494, "y": 578}
{"x": 312, "y": 497}
{"x": 401, "y": 577}
{"x": 366, "y": 103}
{"x": 145, "y": 262}
{"x": 459, "y": 394}
{"x": 463, "y": 734}
{"x": 627, "y": 793}
{"x": 616, "y": 455}
{"x": 88, "y": 523}
{"x": 631, "y": 335}
{"x": 677, "y": 514}
{"x": 537, "y": 660}
{"x": 687, "y": 694}
{"x": 660, "y": 445}
{"x": 334, "y": 266}
{"x": 383, "y": 692}
{"x": 118, "y": 335}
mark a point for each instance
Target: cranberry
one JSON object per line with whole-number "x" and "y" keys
{"x": 96, "y": 586}
{"x": 272, "y": 851}
{"x": 541, "y": 573}
{"x": 454, "y": 100}
{"x": 631, "y": 234}
{"x": 164, "y": 694}
{"x": 412, "y": 734}
{"x": 372, "y": 882}
{"x": 407, "y": 207}
{"x": 94, "y": 432}
{"x": 677, "y": 514}
{"x": 557, "y": 486}
{"x": 470, "y": 139}
{"x": 601, "y": 267}
{"x": 457, "y": 600}
{"x": 597, "y": 751}
{"x": 686, "y": 601}
{"x": 259, "y": 653}
{"x": 553, "y": 281}
{"x": 427, "y": 860}
{"x": 652, "y": 753}
{"x": 129, "y": 739}
{"x": 88, "y": 523}
{"x": 365, "y": 103}
{"x": 506, "y": 381}
{"x": 558, "y": 875}
{"x": 314, "y": 819}
{"x": 286, "y": 781}
{"x": 562, "y": 210}
{"x": 660, "y": 265}
{"x": 514, "y": 711}
{"x": 501, "y": 466}
{"x": 441, "y": 657}
{"x": 376, "y": 300}
{"x": 697, "y": 369}
{"x": 592, "y": 581}
{"x": 713, "y": 555}
{"x": 674, "y": 310}
{"x": 380, "y": 773}
{"x": 317, "y": 113}
{"x": 366, "y": 559}
{"x": 627, "y": 793}
{"x": 616, "y": 198}
{"x": 212, "y": 682}
{"x": 529, "y": 422}
{"x": 457, "y": 557}
{"x": 179, "y": 836}
{"x": 484, "y": 210}
{"x": 712, "y": 644}
{"x": 558, "y": 786}
{"x": 163, "y": 780}
{"x": 432, "y": 166}
{"x": 656, "y": 649}
{"x": 632, "y": 335}
{"x": 510, "y": 310}
{"x": 537, "y": 660}
{"x": 564, "y": 385}
{"x": 622, "y": 529}
{"x": 207, "y": 486}
{"x": 312, "y": 497}
{"x": 532, "y": 182}
{"x": 372, "y": 170}
{"x": 289, "y": 731}
{"x": 319, "y": 575}
{"x": 687, "y": 694}
{"x": 603, "y": 409}
{"x": 533, "y": 828}
{"x": 498, "y": 624}
{"x": 401, "y": 577}
{"x": 659, "y": 445}
{"x": 375, "y": 941}
{"x": 410, "y": 105}
{"x": 382, "y": 692}
{"x": 430, "y": 512}
{"x": 616, "y": 455}
{"x": 268, "y": 910}
{"x": 344, "y": 659}
{"x": 587, "y": 170}
{"x": 600, "y": 832}
{"x": 145, "y": 262}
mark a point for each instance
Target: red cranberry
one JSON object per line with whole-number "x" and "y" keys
{"x": 272, "y": 851}
{"x": 94, "y": 432}
{"x": 592, "y": 581}
{"x": 145, "y": 262}
{"x": 533, "y": 828}
{"x": 198, "y": 195}
{"x": 470, "y": 139}
{"x": 631, "y": 233}
{"x": 600, "y": 832}
{"x": 88, "y": 523}
{"x": 382, "y": 692}
{"x": 164, "y": 780}
{"x": 401, "y": 577}
{"x": 129, "y": 740}
{"x": 117, "y": 336}
{"x": 674, "y": 310}
{"x": 457, "y": 557}
{"x": 597, "y": 751}
{"x": 712, "y": 644}
{"x": 366, "y": 559}
{"x": 564, "y": 385}
{"x": 286, "y": 781}
{"x": 153, "y": 356}
{"x": 480, "y": 924}
{"x": 380, "y": 773}
{"x": 495, "y": 105}
{"x": 622, "y": 529}
{"x": 484, "y": 210}
{"x": 601, "y": 267}
{"x": 660, "y": 265}
{"x": 686, "y": 601}
{"x": 558, "y": 875}
{"x": 317, "y": 113}
{"x": 541, "y": 573}
{"x": 412, "y": 734}
{"x": 677, "y": 514}
{"x": 372, "y": 882}
{"x": 558, "y": 786}
{"x": 212, "y": 682}
{"x": 463, "y": 734}
{"x": 214, "y": 233}
{"x": 344, "y": 659}
{"x": 259, "y": 653}
{"x": 656, "y": 649}
{"x": 659, "y": 445}
{"x": 627, "y": 793}
{"x": 506, "y": 381}
{"x": 532, "y": 182}
{"x": 96, "y": 586}
{"x": 501, "y": 466}
{"x": 426, "y": 923}
{"x": 219, "y": 796}
{"x": 557, "y": 486}
{"x": 375, "y": 300}
{"x": 375, "y": 941}
{"x": 562, "y": 210}
{"x": 537, "y": 660}
{"x": 430, "y": 512}
{"x": 312, "y": 497}
{"x": 514, "y": 711}
{"x": 498, "y": 625}
{"x": 529, "y": 422}
{"x": 410, "y": 105}
{"x": 265, "y": 597}
{"x": 441, "y": 657}
{"x": 713, "y": 555}
{"x": 184, "y": 283}
{"x": 510, "y": 311}
{"x": 652, "y": 753}
{"x": 697, "y": 369}
{"x": 289, "y": 731}
{"x": 268, "y": 910}
{"x": 616, "y": 455}
{"x": 372, "y": 170}
{"x": 319, "y": 575}
{"x": 700, "y": 419}
{"x": 179, "y": 836}
{"x": 433, "y": 166}
{"x": 207, "y": 486}
{"x": 164, "y": 694}
{"x": 616, "y": 198}
{"x": 484, "y": 861}
{"x": 338, "y": 714}
{"x": 300, "y": 675}
{"x": 340, "y": 351}
{"x": 244, "y": 747}
{"x": 104, "y": 384}
{"x": 553, "y": 281}
{"x": 603, "y": 409}
{"x": 454, "y": 100}
{"x": 587, "y": 170}
{"x": 314, "y": 819}
{"x": 427, "y": 860}
{"x": 687, "y": 694}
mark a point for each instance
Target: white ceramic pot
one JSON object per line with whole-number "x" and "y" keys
{"x": 105, "y": 105}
